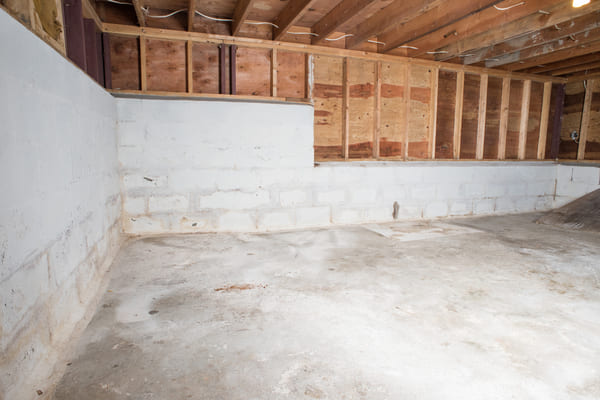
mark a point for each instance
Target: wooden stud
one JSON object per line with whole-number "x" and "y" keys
{"x": 74, "y": 32}
{"x": 274, "y": 72}
{"x": 345, "y": 111}
{"x": 458, "y": 111}
{"x": 377, "y": 112}
{"x": 90, "y": 12}
{"x": 222, "y": 69}
{"x": 407, "y": 112}
{"x": 91, "y": 49}
{"x": 483, "y": 88}
{"x": 559, "y": 105}
{"x": 504, "y": 107}
{"x": 585, "y": 119}
{"x": 190, "y": 66}
{"x": 309, "y": 76}
{"x": 435, "y": 83}
{"x": 232, "y": 69}
{"x": 541, "y": 152}
{"x": 143, "y": 74}
{"x": 524, "y": 119}
{"x": 106, "y": 60}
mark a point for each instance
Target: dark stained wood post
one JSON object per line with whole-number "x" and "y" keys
{"x": 557, "y": 123}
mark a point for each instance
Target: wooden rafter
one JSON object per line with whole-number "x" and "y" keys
{"x": 546, "y": 48}
{"x": 476, "y": 24}
{"x": 555, "y": 56}
{"x": 436, "y": 18}
{"x": 522, "y": 42}
{"x": 395, "y": 14}
{"x": 242, "y": 9}
{"x": 559, "y": 13}
{"x": 564, "y": 64}
{"x": 288, "y": 17}
{"x": 577, "y": 68}
{"x": 339, "y": 15}
{"x": 139, "y": 12}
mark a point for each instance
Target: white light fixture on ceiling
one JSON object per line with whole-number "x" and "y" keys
{"x": 580, "y": 3}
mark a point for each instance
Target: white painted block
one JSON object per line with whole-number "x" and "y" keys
{"x": 234, "y": 200}
{"x": 506, "y": 205}
{"x": 135, "y": 181}
{"x": 484, "y": 206}
{"x": 313, "y": 216}
{"x": 190, "y": 180}
{"x": 474, "y": 190}
{"x": 144, "y": 224}
{"x": 461, "y": 207}
{"x": 134, "y": 205}
{"x": 248, "y": 180}
{"x": 331, "y": 197}
{"x": 275, "y": 220}
{"x": 540, "y": 188}
{"x": 363, "y": 196}
{"x": 167, "y": 204}
{"x": 292, "y": 198}
{"x": 422, "y": 192}
{"x": 236, "y": 221}
{"x": 394, "y": 193}
{"x": 496, "y": 189}
{"x": 436, "y": 209}
{"x": 448, "y": 191}
{"x": 587, "y": 174}
{"x": 347, "y": 215}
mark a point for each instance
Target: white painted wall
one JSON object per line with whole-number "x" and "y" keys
{"x": 575, "y": 180}
{"x": 59, "y": 203}
{"x": 216, "y": 166}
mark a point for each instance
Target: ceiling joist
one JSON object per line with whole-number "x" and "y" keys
{"x": 288, "y": 17}
{"x": 339, "y": 15}
{"x": 240, "y": 14}
{"x": 139, "y": 12}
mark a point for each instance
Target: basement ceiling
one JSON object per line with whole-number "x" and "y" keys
{"x": 549, "y": 37}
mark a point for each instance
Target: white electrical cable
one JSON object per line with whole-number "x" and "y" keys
{"x": 163, "y": 16}
{"x": 261, "y": 23}
{"x": 302, "y": 33}
{"x": 408, "y": 47}
{"x": 509, "y": 7}
{"x": 376, "y": 42}
{"x": 437, "y": 52}
{"x": 118, "y": 2}
{"x": 341, "y": 37}
{"x": 465, "y": 55}
{"x": 213, "y": 18}
{"x": 544, "y": 12}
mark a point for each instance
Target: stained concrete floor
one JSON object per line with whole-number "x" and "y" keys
{"x": 481, "y": 308}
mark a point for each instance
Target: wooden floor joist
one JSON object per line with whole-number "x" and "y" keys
{"x": 585, "y": 119}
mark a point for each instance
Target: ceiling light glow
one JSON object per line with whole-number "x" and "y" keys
{"x": 580, "y": 3}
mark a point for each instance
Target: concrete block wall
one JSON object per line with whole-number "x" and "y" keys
{"x": 60, "y": 205}
{"x": 575, "y": 180}
{"x": 197, "y": 166}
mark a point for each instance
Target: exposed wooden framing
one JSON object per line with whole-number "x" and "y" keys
{"x": 436, "y": 18}
{"x": 340, "y": 14}
{"x": 503, "y": 128}
{"x": 345, "y": 111}
{"x": 205, "y": 96}
{"x": 585, "y": 119}
{"x": 191, "y": 15}
{"x": 407, "y": 112}
{"x": 435, "y": 79}
{"x": 74, "y": 32}
{"x": 476, "y": 24}
{"x": 143, "y": 74}
{"x": 139, "y": 13}
{"x": 577, "y": 68}
{"x": 588, "y": 58}
{"x": 190, "y": 66}
{"x": 222, "y": 69}
{"x": 582, "y": 76}
{"x": 309, "y": 77}
{"x": 106, "y": 60}
{"x": 525, "y": 100}
{"x": 544, "y": 49}
{"x": 168, "y": 34}
{"x": 458, "y": 111}
{"x": 90, "y": 12}
{"x": 397, "y": 13}
{"x": 483, "y": 87}
{"x": 232, "y": 69}
{"x": 274, "y": 72}
{"x": 546, "y": 35}
{"x": 557, "y": 122}
{"x": 242, "y": 8}
{"x": 377, "y": 112}
{"x": 91, "y": 50}
{"x": 541, "y": 152}
{"x": 556, "y": 56}
{"x": 288, "y": 17}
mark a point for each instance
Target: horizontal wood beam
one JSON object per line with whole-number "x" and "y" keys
{"x": 438, "y": 17}
{"x": 339, "y": 15}
{"x": 556, "y": 56}
{"x": 563, "y": 64}
{"x": 242, "y": 9}
{"x": 169, "y": 34}
{"x": 397, "y": 13}
{"x": 577, "y": 68}
{"x": 294, "y": 10}
{"x": 153, "y": 93}
{"x": 531, "y": 39}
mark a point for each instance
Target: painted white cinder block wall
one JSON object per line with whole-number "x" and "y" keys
{"x": 196, "y": 166}
{"x": 59, "y": 204}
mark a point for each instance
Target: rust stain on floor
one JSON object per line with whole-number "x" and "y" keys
{"x": 245, "y": 286}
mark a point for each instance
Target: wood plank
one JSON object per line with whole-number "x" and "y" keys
{"x": 377, "y": 111}
{"x": 274, "y": 72}
{"x": 504, "y": 107}
{"x": 309, "y": 77}
{"x": 190, "y": 66}
{"x": 557, "y": 123}
{"x": 91, "y": 49}
{"x": 242, "y": 9}
{"x": 397, "y": 13}
{"x": 577, "y": 68}
{"x": 345, "y": 111}
{"x": 106, "y": 60}
{"x": 74, "y": 32}
{"x": 541, "y": 152}
{"x": 339, "y": 15}
{"x": 184, "y": 95}
{"x": 524, "y": 118}
{"x": 436, "y": 18}
{"x": 232, "y": 69}
{"x": 191, "y": 14}
{"x": 555, "y": 56}
{"x": 222, "y": 69}
{"x": 407, "y": 112}
{"x": 294, "y": 10}
{"x": 139, "y": 13}
{"x": 143, "y": 65}
{"x": 168, "y": 34}
{"x": 89, "y": 11}
{"x": 545, "y": 35}
{"x": 433, "y": 112}
{"x": 585, "y": 119}
{"x": 483, "y": 86}
{"x": 458, "y": 111}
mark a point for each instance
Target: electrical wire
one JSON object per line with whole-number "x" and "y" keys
{"x": 213, "y": 18}
{"x": 341, "y": 37}
{"x": 376, "y": 42}
{"x": 261, "y": 23}
{"x": 509, "y": 7}
{"x": 437, "y": 52}
{"x": 163, "y": 16}
{"x": 302, "y": 33}
{"x": 408, "y": 47}
{"x": 118, "y": 2}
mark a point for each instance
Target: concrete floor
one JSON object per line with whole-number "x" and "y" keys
{"x": 481, "y": 308}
